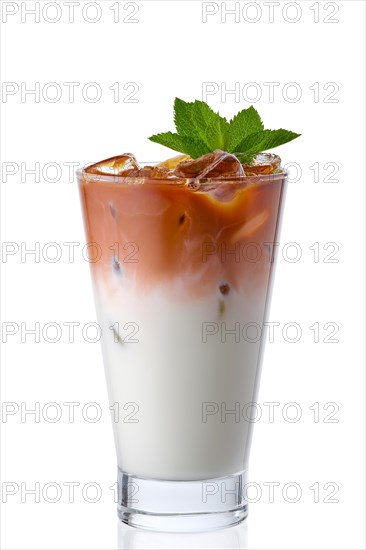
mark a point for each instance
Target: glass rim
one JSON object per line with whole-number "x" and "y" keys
{"x": 103, "y": 178}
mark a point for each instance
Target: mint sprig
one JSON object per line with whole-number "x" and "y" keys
{"x": 201, "y": 130}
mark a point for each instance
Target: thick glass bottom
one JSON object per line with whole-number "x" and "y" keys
{"x": 181, "y": 506}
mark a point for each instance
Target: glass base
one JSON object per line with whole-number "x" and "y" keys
{"x": 181, "y": 506}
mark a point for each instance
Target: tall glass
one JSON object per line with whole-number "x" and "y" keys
{"x": 182, "y": 277}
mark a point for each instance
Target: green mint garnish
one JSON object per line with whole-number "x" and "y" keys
{"x": 200, "y": 130}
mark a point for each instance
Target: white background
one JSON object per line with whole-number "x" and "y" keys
{"x": 169, "y": 51}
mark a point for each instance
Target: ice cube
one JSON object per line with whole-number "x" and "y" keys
{"x": 251, "y": 226}
{"x": 114, "y": 165}
{"x": 264, "y": 163}
{"x": 213, "y": 165}
{"x": 173, "y": 161}
{"x": 223, "y": 192}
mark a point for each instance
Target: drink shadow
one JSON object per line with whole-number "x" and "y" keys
{"x": 233, "y": 538}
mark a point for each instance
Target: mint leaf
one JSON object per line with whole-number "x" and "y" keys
{"x": 183, "y": 144}
{"x": 246, "y": 122}
{"x": 200, "y": 130}
{"x": 265, "y": 139}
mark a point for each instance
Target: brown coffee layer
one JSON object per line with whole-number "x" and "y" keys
{"x": 161, "y": 234}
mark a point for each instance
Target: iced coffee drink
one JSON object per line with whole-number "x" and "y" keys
{"x": 182, "y": 287}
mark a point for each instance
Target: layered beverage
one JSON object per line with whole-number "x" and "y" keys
{"x": 182, "y": 279}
